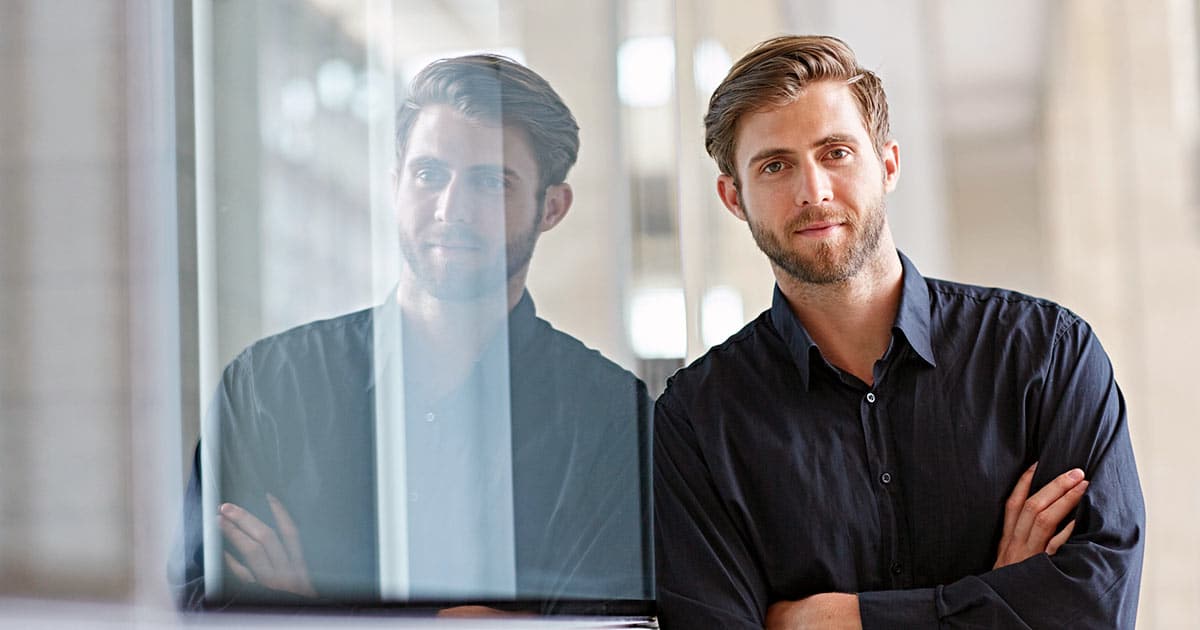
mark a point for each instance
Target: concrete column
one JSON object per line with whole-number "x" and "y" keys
{"x": 1125, "y": 241}
{"x": 64, "y": 360}
{"x": 580, "y": 269}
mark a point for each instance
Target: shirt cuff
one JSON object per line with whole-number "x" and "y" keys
{"x": 914, "y": 608}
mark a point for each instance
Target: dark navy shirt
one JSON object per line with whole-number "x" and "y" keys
{"x": 778, "y": 475}
{"x": 295, "y": 416}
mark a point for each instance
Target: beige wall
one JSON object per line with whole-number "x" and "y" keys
{"x": 1123, "y": 220}
{"x": 64, "y": 336}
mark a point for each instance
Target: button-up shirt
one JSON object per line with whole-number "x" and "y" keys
{"x": 779, "y": 475}
{"x": 295, "y": 415}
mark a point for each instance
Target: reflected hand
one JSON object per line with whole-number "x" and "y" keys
{"x": 1030, "y": 521}
{"x": 274, "y": 563}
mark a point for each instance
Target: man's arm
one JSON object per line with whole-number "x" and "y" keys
{"x": 699, "y": 548}
{"x": 1029, "y": 529}
{"x": 1079, "y": 421}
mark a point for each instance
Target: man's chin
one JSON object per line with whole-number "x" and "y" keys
{"x": 463, "y": 287}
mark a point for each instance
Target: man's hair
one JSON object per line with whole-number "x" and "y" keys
{"x": 774, "y": 74}
{"x": 497, "y": 89}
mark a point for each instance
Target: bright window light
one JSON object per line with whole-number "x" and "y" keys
{"x": 335, "y": 84}
{"x": 658, "y": 323}
{"x": 710, "y": 64}
{"x": 646, "y": 71}
{"x": 721, "y": 314}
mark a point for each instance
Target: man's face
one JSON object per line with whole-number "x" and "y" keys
{"x": 811, "y": 186}
{"x": 466, "y": 193}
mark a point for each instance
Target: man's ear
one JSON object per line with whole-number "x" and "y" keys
{"x": 554, "y": 209}
{"x": 728, "y": 192}
{"x": 891, "y": 165}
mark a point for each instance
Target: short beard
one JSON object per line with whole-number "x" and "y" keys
{"x": 465, "y": 286}
{"x": 830, "y": 265}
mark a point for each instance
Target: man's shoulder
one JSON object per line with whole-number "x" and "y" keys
{"x": 963, "y": 302}
{"x": 567, "y": 356}
{"x": 742, "y": 354}
{"x": 344, "y": 335}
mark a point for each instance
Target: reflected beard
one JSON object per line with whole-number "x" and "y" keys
{"x": 460, "y": 283}
{"x": 831, "y": 263}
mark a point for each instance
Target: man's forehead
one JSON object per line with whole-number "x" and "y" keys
{"x": 822, "y": 111}
{"x": 443, "y": 133}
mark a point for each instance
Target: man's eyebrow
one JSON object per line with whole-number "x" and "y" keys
{"x": 424, "y": 161}
{"x": 767, "y": 153}
{"x": 495, "y": 169}
{"x": 835, "y": 138}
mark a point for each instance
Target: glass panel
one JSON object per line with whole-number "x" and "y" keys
{"x": 396, "y": 422}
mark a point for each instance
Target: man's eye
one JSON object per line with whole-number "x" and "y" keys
{"x": 839, "y": 154}
{"x": 430, "y": 176}
{"x": 773, "y": 167}
{"x": 491, "y": 183}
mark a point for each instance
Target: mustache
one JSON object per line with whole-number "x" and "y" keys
{"x": 455, "y": 235}
{"x": 817, "y": 215}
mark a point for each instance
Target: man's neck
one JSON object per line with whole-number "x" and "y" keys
{"x": 851, "y": 321}
{"x": 454, "y": 332}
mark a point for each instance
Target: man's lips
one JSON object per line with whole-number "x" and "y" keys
{"x": 452, "y": 246}
{"x": 820, "y": 228}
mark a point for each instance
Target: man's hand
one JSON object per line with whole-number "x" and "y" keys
{"x": 833, "y": 611}
{"x": 1030, "y": 521}
{"x": 275, "y": 564}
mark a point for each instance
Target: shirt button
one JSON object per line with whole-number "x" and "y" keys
{"x": 414, "y": 497}
{"x": 870, "y": 397}
{"x": 430, "y": 417}
{"x": 897, "y": 568}
{"x": 886, "y": 478}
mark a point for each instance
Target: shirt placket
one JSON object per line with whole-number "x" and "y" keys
{"x": 886, "y": 486}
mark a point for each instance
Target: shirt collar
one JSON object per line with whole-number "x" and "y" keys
{"x": 386, "y": 320}
{"x": 522, "y": 324}
{"x": 912, "y": 321}
{"x": 912, "y": 318}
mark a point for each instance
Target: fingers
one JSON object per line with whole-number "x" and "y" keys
{"x": 1016, "y": 500}
{"x": 1054, "y": 514}
{"x": 255, "y": 540}
{"x": 1060, "y": 538}
{"x": 287, "y": 529}
{"x": 266, "y": 559}
{"x": 238, "y": 569}
{"x": 1035, "y": 514}
{"x": 259, "y": 531}
{"x": 253, "y": 554}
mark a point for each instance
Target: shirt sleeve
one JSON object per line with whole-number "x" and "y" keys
{"x": 706, "y": 575}
{"x": 225, "y": 427}
{"x": 1092, "y": 581}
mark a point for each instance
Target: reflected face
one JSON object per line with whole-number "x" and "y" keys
{"x": 811, "y": 186}
{"x": 466, "y": 195}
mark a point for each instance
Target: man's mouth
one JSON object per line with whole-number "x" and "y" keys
{"x": 819, "y": 229}
{"x": 453, "y": 240}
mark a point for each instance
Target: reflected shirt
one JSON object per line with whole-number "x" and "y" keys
{"x": 295, "y": 414}
{"x": 779, "y": 476}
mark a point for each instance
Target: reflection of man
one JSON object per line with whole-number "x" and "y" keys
{"x": 844, "y": 460}
{"x": 524, "y": 457}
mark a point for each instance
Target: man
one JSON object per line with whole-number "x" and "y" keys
{"x": 844, "y": 460}
{"x": 516, "y": 459}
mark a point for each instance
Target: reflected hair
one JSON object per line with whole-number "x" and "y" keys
{"x": 497, "y": 89}
{"x": 773, "y": 74}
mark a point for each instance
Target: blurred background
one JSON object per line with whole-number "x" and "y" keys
{"x": 179, "y": 178}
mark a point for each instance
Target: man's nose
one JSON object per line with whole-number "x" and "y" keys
{"x": 454, "y": 204}
{"x": 814, "y": 186}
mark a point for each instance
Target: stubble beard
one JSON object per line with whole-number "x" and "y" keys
{"x": 831, "y": 263}
{"x": 458, "y": 284}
